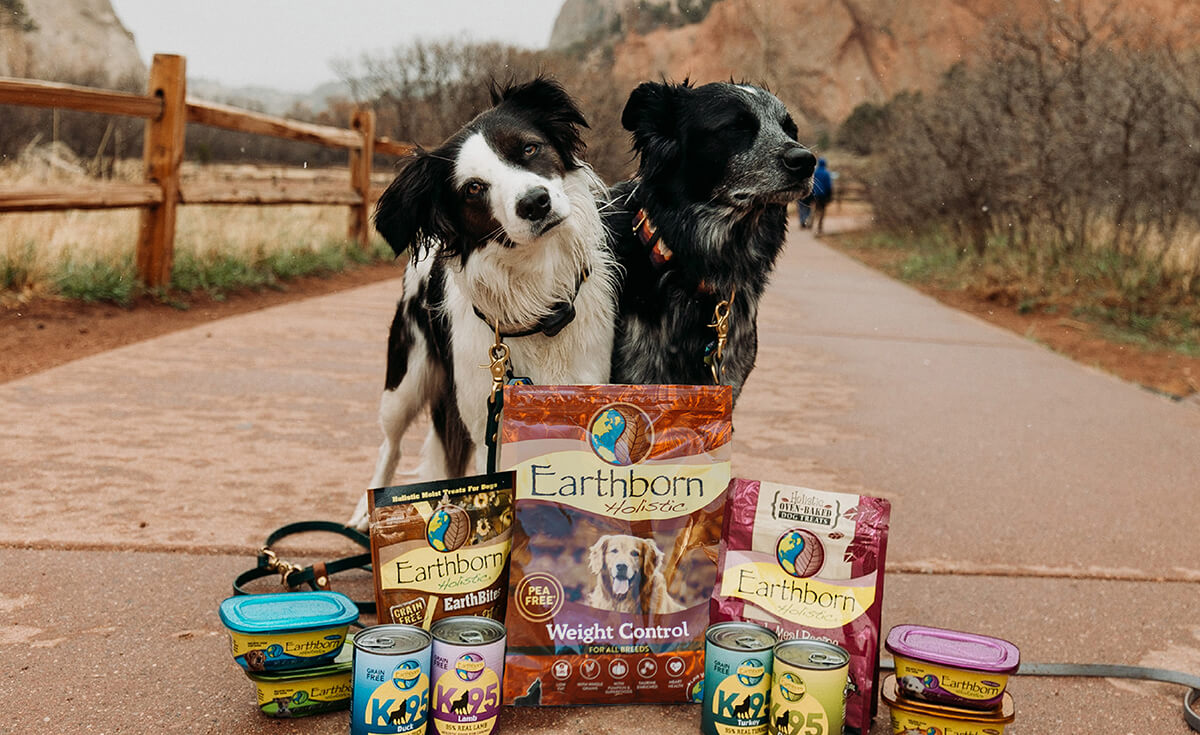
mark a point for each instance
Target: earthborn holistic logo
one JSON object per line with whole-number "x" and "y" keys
{"x": 740, "y": 701}
{"x": 449, "y": 526}
{"x": 797, "y": 505}
{"x": 799, "y": 553}
{"x": 621, "y": 434}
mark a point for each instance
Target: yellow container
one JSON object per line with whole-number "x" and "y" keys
{"x": 910, "y": 715}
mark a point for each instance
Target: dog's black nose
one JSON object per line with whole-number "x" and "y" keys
{"x": 800, "y": 161}
{"x": 534, "y": 204}
{"x": 622, "y": 570}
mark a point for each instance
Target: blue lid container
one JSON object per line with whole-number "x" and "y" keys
{"x": 289, "y": 630}
{"x": 287, "y": 611}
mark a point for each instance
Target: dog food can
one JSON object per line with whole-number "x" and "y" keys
{"x": 737, "y": 679}
{"x": 914, "y": 715}
{"x": 287, "y": 630}
{"x": 391, "y": 680}
{"x": 951, "y": 667}
{"x": 468, "y": 666}
{"x": 808, "y": 688}
{"x": 303, "y": 692}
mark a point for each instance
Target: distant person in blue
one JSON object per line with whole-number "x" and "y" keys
{"x": 822, "y": 193}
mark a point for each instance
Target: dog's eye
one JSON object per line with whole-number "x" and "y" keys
{"x": 531, "y": 149}
{"x": 636, "y": 554}
{"x": 475, "y": 188}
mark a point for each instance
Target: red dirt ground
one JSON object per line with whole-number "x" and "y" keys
{"x": 47, "y": 332}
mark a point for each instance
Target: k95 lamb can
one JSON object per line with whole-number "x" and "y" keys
{"x": 391, "y": 680}
{"x": 808, "y": 688}
{"x": 468, "y": 666}
{"x": 737, "y": 679}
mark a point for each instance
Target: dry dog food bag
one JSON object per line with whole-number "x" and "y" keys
{"x": 620, "y": 492}
{"x": 440, "y": 549}
{"x": 808, "y": 564}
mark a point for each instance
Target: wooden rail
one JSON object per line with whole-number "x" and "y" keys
{"x": 167, "y": 110}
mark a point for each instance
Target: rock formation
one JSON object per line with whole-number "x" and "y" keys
{"x": 823, "y": 57}
{"x": 80, "y": 41}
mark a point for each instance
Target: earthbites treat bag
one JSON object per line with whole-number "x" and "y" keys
{"x": 808, "y": 564}
{"x": 440, "y": 549}
{"x": 620, "y": 492}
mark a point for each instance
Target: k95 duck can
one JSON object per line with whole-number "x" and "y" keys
{"x": 391, "y": 680}
{"x": 808, "y": 688}
{"x": 737, "y": 679}
{"x": 468, "y": 666}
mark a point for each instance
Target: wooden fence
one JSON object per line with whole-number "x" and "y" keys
{"x": 166, "y": 109}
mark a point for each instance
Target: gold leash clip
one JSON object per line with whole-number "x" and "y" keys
{"x": 275, "y": 564}
{"x": 721, "y": 324}
{"x": 498, "y": 354}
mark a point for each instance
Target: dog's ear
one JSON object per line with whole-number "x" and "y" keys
{"x": 410, "y": 215}
{"x": 652, "y": 115}
{"x": 552, "y": 110}
{"x": 596, "y": 555}
{"x": 651, "y": 558}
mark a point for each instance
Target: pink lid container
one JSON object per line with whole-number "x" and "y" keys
{"x": 951, "y": 667}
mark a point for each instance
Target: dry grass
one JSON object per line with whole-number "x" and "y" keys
{"x": 36, "y": 247}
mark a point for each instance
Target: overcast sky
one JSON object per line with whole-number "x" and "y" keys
{"x": 288, "y": 44}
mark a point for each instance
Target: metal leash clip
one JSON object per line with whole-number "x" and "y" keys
{"x": 498, "y": 353}
{"x": 275, "y": 564}
{"x": 721, "y": 324}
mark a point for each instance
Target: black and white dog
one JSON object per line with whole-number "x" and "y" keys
{"x": 503, "y": 232}
{"x": 703, "y": 222}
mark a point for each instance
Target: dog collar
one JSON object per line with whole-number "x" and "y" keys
{"x": 561, "y": 314}
{"x": 660, "y": 254}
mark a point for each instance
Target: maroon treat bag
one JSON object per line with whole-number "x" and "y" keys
{"x": 808, "y": 564}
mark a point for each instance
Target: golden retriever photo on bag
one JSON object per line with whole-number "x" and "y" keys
{"x": 629, "y": 576}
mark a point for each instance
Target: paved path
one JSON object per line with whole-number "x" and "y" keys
{"x": 1033, "y": 499}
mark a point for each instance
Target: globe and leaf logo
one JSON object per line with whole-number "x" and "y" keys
{"x": 750, "y": 672}
{"x": 470, "y": 666}
{"x": 449, "y": 527}
{"x": 799, "y": 552}
{"x": 406, "y": 675}
{"x": 792, "y": 687}
{"x": 621, "y": 434}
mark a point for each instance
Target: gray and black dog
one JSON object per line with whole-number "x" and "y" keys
{"x": 702, "y": 222}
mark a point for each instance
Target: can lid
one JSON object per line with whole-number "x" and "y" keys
{"x": 1002, "y": 714}
{"x": 471, "y": 630}
{"x": 812, "y": 654}
{"x": 392, "y": 639}
{"x": 281, "y": 612}
{"x": 737, "y": 636}
{"x": 954, "y": 648}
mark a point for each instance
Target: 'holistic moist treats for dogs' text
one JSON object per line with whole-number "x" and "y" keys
{"x": 441, "y": 548}
{"x": 620, "y": 492}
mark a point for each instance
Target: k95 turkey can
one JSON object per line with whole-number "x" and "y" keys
{"x": 808, "y": 688}
{"x": 737, "y": 679}
{"x": 468, "y": 666}
{"x": 391, "y": 680}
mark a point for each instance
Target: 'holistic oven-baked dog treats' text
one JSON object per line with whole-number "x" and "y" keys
{"x": 620, "y": 492}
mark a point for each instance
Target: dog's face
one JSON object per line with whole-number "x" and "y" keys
{"x": 731, "y": 145}
{"x": 496, "y": 182}
{"x": 623, "y": 564}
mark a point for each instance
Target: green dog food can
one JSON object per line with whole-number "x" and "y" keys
{"x": 808, "y": 688}
{"x": 737, "y": 679}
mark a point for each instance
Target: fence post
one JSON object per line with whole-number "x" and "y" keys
{"x": 163, "y": 154}
{"x": 360, "y": 176}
